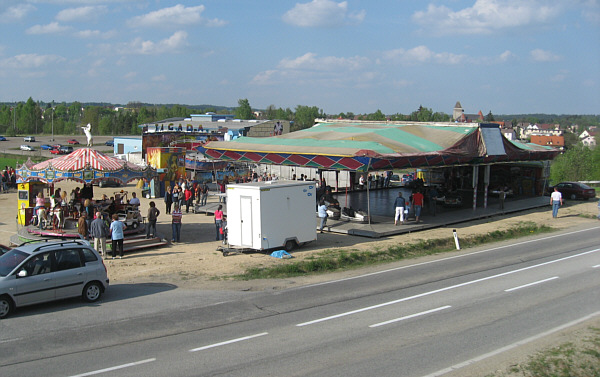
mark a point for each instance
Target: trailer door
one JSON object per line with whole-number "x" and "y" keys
{"x": 246, "y": 221}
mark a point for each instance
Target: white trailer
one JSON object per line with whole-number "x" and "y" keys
{"x": 273, "y": 214}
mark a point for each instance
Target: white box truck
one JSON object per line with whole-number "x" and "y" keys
{"x": 272, "y": 214}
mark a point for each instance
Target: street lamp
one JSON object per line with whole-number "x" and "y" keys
{"x": 52, "y": 125}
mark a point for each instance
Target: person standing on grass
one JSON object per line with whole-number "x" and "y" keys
{"x": 176, "y": 216}
{"x": 153, "y": 213}
{"x": 116, "y": 235}
{"x": 556, "y": 201}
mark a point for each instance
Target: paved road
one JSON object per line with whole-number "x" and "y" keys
{"x": 407, "y": 320}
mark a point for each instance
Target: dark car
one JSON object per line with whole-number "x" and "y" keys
{"x": 110, "y": 143}
{"x": 4, "y": 249}
{"x": 66, "y": 149}
{"x": 109, "y": 183}
{"x": 46, "y": 147}
{"x": 2, "y": 138}
{"x": 575, "y": 190}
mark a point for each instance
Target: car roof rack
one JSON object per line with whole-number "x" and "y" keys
{"x": 60, "y": 243}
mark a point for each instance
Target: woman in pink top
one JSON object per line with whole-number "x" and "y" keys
{"x": 219, "y": 222}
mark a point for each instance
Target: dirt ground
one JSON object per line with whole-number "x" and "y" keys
{"x": 195, "y": 263}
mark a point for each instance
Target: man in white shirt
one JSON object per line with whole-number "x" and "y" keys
{"x": 134, "y": 201}
{"x": 556, "y": 201}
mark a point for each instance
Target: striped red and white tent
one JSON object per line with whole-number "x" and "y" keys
{"x": 84, "y": 165}
{"x": 82, "y": 158}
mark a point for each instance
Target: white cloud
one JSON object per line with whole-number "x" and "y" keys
{"x": 159, "y": 78}
{"x": 15, "y": 13}
{"x": 322, "y": 13}
{"x": 80, "y": 14}
{"x": 422, "y": 54}
{"x": 51, "y": 28}
{"x": 172, "y": 44}
{"x": 506, "y": 55}
{"x": 130, "y": 75}
{"x": 486, "y": 16}
{"x": 95, "y": 34}
{"x": 309, "y": 68}
{"x": 27, "y": 61}
{"x": 310, "y": 61}
{"x": 175, "y": 16}
{"x": 540, "y": 55}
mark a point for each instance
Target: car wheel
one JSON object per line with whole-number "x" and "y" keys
{"x": 6, "y": 306}
{"x": 135, "y": 225}
{"x": 289, "y": 245}
{"x": 92, "y": 292}
{"x": 573, "y": 196}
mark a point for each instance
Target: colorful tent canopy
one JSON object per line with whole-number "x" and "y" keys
{"x": 364, "y": 146}
{"x": 83, "y": 165}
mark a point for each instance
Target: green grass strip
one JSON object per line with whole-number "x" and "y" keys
{"x": 336, "y": 260}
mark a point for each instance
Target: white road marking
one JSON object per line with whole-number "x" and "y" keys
{"x": 596, "y": 266}
{"x": 228, "y": 342}
{"x": 411, "y": 316}
{"x": 114, "y": 368}
{"x": 530, "y": 284}
{"x": 443, "y": 289}
{"x": 440, "y": 260}
{"x": 511, "y": 346}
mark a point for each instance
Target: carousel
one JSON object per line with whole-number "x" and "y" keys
{"x": 45, "y": 211}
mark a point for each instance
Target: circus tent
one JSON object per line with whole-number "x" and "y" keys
{"x": 83, "y": 165}
{"x": 365, "y": 146}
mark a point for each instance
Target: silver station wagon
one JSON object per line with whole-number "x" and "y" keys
{"x": 42, "y": 272}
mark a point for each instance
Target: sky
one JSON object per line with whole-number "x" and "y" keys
{"x": 360, "y": 56}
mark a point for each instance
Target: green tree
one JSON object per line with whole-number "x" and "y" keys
{"x": 576, "y": 164}
{"x": 243, "y": 111}
{"x": 489, "y": 117}
{"x": 378, "y": 115}
{"x": 305, "y": 117}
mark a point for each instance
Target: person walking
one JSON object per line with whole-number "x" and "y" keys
{"x": 203, "y": 194}
{"x": 176, "y": 216}
{"x": 168, "y": 200}
{"x": 116, "y": 235}
{"x": 417, "y": 199}
{"x": 322, "y": 212}
{"x": 153, "y": 213}
{"x": 189, "y": 197}
{"x": 99, "y": 232}
{"x": 399, "y": 205}
{"x": 219, "y": 222}
{"x": 556, "y": 201}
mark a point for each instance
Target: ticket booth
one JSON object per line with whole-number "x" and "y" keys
{"x": 27, "y": 193}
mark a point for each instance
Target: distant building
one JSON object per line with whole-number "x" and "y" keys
{"x": 459, "y": 115}
{"x": 589, "y": 138}
{"x": 551, "y": 141}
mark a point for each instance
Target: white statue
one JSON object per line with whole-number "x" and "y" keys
{"x": 87, "y": 130}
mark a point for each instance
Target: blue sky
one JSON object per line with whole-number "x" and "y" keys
{"x": 504, "y": 56}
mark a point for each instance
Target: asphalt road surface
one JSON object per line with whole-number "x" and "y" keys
{"x": 421, "y": 319}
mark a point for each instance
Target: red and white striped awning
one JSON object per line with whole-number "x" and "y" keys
{"x": 82, "y": 158}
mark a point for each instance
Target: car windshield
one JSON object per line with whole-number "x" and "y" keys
{"x": 10, "y": 260}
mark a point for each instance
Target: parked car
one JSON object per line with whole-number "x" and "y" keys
{"x": 29, "y": 139}
{"x": 72, "y": 141}
{"x": 110, "y": 143}
{"x": 46, "y": 147}
{"x": 109, "y": 183}
{"x": 395, "y": 180}
{"x": 37, "y": 273}
{"x": 2, "y": 138}
{"x": 4, "y": 249}
{"x": 575, "y": 190}
{"x": 26, "y": 147}
{"x": 55, "y": 151}
{"x": 66, "y": 149}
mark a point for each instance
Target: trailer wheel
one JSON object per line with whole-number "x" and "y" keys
{"x": 289, "y": 245}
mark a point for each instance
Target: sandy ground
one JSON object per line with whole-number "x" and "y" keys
{"x": 195, "y": 263}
